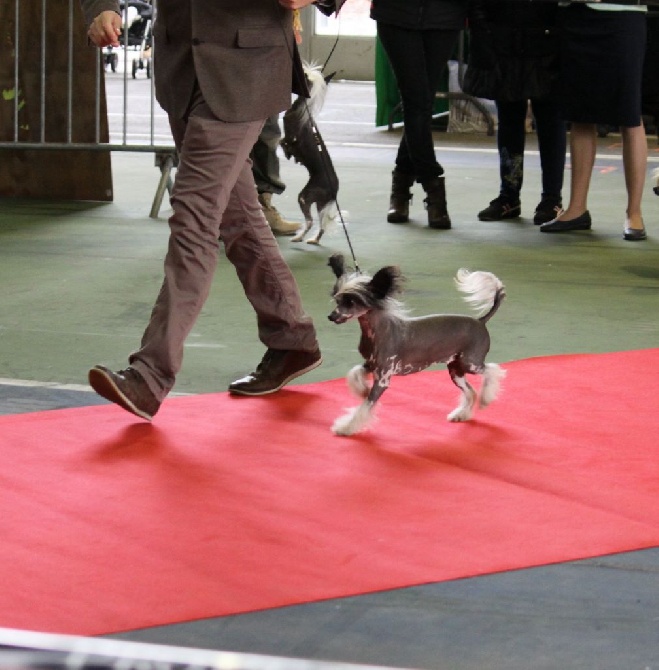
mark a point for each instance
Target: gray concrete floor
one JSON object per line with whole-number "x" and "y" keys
{"x": 79, "y": 280}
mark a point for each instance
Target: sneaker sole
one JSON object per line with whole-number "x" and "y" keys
{"x": 288, "y": 379}
{"x": 508, "y": 215}
{"x": 102, "y": 383}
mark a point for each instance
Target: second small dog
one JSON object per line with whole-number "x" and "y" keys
{"x": 303, "y": 142}
{"x": 393, "y": 343}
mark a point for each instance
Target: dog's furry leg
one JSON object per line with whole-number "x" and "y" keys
{"x": 465, "y": 409}
{"x": 358, "y": 381}
{"x": 492, "y": 378}
{"x": 358, "y": 418}
{"x": 354, "y": 420}
{"x": 308, "y": 220}
{"x": 327, "y": 216}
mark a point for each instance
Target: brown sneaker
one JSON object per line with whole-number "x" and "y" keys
{"x": 277, "y": 368}
{"x": 125, "y": 388}
{"x": 278, "y": 225}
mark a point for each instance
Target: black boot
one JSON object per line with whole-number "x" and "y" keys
{"x": 436, "y": 203}
{"x": 399, "y": 202}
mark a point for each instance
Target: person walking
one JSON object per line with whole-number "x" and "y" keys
{"x": 220, "y": 70}
{"x": 418, "y": 37}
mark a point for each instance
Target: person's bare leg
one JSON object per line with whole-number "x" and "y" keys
{"x": 583, "y": 146}
{"x": 635, "y": 162}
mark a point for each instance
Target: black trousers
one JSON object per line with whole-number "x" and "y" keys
{"x": 418, "y": 59}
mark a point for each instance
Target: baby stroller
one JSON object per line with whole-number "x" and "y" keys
{"x": 138, "y": 17}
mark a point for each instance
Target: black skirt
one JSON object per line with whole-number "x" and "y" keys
{"x": 601, "y": 65}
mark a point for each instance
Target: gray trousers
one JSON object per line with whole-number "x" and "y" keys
{"x": 214, "y": 196}
{"x": 265, "y": 161}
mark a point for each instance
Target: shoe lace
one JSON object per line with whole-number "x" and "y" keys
{"x": 269, "y": 357}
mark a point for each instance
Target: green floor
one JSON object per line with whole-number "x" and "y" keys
{"x": 78, "y": 282}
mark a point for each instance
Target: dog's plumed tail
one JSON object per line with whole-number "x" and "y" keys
{"x": 484, "y": 291}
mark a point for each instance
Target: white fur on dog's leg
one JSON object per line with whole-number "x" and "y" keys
{"x": 459, "y": 414}
{"x": 492, "y": 378}
{"x": 304, "y": 229}
{"x": 354, "y": 420}
{"x": 358, "y": 381}
{"x": 465, "y": 409}
{"x": 299, "y": 236}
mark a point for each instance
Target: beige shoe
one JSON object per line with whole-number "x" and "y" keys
{"x": 278, "y": 225}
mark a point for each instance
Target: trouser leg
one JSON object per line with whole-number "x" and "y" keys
{"x": 418, "y": 59}
{"x": 267, "y": 280}
{"x": 265, "y": 160}
{"x": 511, "y": 137}
{"x": 213, "y": 159}
{"x": 552, "y": 141}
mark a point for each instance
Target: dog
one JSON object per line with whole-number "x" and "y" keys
{"x": 393, "y": 343}
{"x": 655, "y": 181}
{"x": 303, "y": 142}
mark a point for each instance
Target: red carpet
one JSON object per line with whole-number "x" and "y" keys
{"x": 227, "y": 505}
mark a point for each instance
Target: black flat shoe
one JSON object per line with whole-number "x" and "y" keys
{"x": 634, "y": 234}
{"x": 582, "y": 222}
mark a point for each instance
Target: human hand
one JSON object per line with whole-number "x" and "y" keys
{"x": 105, "y": 29}
{"x": 295, "y": 4}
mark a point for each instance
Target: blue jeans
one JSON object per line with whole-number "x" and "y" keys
{"x": 511, "y": 137}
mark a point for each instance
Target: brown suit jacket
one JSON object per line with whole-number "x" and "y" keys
{"x": 242, "y": 53}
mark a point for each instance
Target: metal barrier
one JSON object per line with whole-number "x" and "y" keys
{"x": 26, "y": 650}
{"x": 118, "y": 137}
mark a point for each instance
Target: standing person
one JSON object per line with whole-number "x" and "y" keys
{"x": 602, "y": 52}
{"x": 514, "y": 61}
{"x": 221, "y": 69}
{"x": 418, "y": 37}
{"x": 265, "y": 167}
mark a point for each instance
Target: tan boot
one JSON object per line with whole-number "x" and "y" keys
{"x": 278, "y": 225}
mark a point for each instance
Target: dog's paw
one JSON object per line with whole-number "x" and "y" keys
{"x": 459, "y": 414}
{"x": 344, "y": 425}
{"x": 353, "y": 420}
{"x": 314, "y": 240}
{"x": 298, "y": 238}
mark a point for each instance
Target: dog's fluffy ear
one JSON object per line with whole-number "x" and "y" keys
{"x": 386, "y": 282}
{"x": 337, "y": 263}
